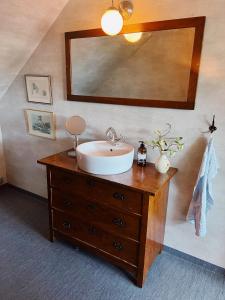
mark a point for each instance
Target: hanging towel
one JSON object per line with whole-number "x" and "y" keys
{"x": 202, "y": 198}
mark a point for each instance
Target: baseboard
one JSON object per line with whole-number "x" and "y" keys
{"x": 24, "y": 191}
{"x": 3, "y": 185}
{"x": 195, "y": 260}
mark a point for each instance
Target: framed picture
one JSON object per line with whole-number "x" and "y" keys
{"x": 38, "y": 89}
{"x": 40, "y": 123}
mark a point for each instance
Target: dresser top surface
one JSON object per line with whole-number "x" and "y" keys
{"x": 145, "y": 179}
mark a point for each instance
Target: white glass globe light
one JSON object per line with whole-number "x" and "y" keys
{"x": 133, "y": 37}
{"x": 112, "y": 21}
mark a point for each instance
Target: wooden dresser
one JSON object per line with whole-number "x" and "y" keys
{"x": 119, "y": 217}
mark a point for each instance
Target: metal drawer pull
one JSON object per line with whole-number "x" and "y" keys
{"x": 118, "y": 246}
{"x": 92, "y": 230}
{"x": 67, "y": 203}
{"x": 118, "y": 196}
{"x": 66, "y": 225}
{"x": 90, "y": 182}
{"x": 119, "y": 222}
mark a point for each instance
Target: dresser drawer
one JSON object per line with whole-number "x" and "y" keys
{"x": 106, "y": 218}
{"x": 90, "y": 188}
{"x": 93, "y": 235}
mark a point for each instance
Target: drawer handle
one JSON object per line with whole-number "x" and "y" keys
{"x": 91, "y": 206}
{"x": 119, "y": 222}
{"x": 90, "y": 182}
{"x": 92, "y": 230}
{"x": 66, "y": 225}
{"x": 119, "y": 196}
{"x": 67, "y": 203}
{"x": 118, "y": 246}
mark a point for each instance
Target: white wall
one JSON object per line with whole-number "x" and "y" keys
{"x": 136, "y": 123}
{"x": 2, "y": 160}
{"x": 22, "y": 26}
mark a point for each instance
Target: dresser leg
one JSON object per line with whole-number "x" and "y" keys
{"x": 140, "y": 279}
{"x": 161, "y": 249}
{"x": 140, "y": 282}
{"x": 51, "y": 236}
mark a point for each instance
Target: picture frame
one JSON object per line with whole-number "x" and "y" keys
{"x": 40, "y": 123}
{"x": 39, "y": 88}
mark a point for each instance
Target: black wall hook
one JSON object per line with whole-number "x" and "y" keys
{"x": 212, "y": 127}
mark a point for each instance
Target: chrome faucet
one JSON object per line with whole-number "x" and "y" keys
{"x": 112, "y": 137}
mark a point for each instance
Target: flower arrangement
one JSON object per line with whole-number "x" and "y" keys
{"x": 165, "y": 144}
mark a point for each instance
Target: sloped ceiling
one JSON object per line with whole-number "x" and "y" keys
{"x": 23, "y": 23}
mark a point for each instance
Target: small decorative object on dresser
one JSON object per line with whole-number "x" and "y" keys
{"x": 167, "y": 146}
{"x": 142, "y": 154}
{"x": 118, "y": 217}
{"x": 40, "y": 123}
{"x": 162, "y": 164}
{"x": 38, "y": 89}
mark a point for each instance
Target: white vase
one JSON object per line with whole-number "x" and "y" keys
{"x": 162, "y": 164}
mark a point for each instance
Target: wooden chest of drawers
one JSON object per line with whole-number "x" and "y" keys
{"x": 119, "y": 217}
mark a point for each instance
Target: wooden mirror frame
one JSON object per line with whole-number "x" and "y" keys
{"x": 196, "y": 22}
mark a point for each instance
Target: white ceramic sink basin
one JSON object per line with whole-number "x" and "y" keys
{"x": 100, "y": 157}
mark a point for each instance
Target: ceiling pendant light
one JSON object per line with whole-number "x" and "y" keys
{"x": 126, "y": 9}
{"x": 112, "y": 21}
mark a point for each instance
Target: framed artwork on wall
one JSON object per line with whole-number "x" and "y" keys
{"x": 38, "y": 89}
{"x": 40, "y": 123}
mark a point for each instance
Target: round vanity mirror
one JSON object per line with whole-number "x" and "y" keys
{"x": 75, "y": 125}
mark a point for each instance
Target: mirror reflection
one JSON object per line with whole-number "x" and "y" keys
{"x": 150, "y": 65}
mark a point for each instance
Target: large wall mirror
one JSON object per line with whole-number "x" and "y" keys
{"x": 151, "y": 64}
